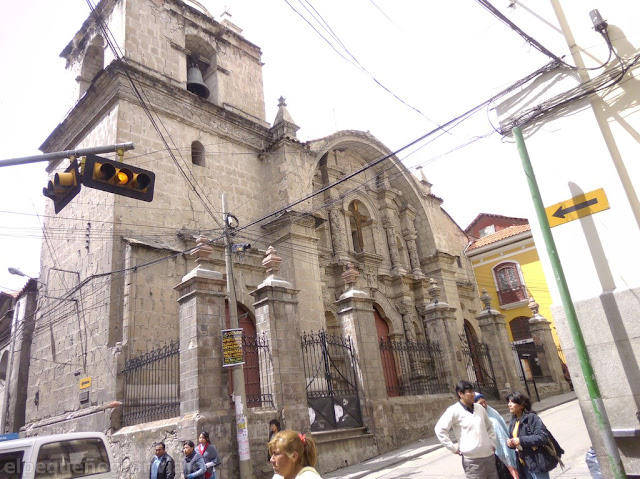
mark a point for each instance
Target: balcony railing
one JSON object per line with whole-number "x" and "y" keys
{"x": 512, "y": 295}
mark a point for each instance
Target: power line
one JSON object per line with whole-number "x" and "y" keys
{"x": 141, "y": 96}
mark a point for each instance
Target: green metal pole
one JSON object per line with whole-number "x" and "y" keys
{"x": 572, "y": 320}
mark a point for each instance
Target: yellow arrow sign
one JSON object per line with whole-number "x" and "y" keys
{"x": 577, "y": 207}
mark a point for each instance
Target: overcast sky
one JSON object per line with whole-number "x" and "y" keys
{"x": 440, "y": 58}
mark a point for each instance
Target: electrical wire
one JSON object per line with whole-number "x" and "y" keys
{"x": 350, "y": 57}
{"x": 142, "y": 99}
{"x": 556, "y": 104}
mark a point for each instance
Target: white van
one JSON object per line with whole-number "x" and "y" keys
{"x": 61, "y": 456}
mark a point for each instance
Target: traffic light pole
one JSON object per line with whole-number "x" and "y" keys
{"x": 239, "y": 395}
{"x": 66, "y": 154}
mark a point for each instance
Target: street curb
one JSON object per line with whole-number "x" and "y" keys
{"x": 401, "y": 458}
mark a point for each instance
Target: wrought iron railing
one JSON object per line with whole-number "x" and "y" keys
{"x": 412, "y": 368}
{"x": 152, "y": 385}
{"x": 258, "y": 371}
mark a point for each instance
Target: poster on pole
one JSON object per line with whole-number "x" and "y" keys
{"x": 232, "y": 347}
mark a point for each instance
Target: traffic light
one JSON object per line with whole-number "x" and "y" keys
{"x": 64, "y": 187}
{"x": 119, "y": 178}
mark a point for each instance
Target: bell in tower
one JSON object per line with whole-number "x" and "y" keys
{"x": 195, "y": 83}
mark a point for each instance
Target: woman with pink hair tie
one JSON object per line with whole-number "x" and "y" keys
{"x": 293, "y": 456}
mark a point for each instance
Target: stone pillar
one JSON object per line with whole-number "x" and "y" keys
{"x": 396, "y": 264}
{"x": 338, "y": 235}
{"x": 276, "y": 309}
{"x": 407, "y": 311}
{"x": 355, "y": 310}
{"x": 409, "y": 234}
{"x": 494, "y": 334}
{"x": 549, "y": 360}
{"x": 414, "y": 259}
{"x": 202, "y": 316}
{"x": 441, "y": 326}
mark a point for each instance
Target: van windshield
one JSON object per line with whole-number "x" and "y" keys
{"x": 73, "y": 458}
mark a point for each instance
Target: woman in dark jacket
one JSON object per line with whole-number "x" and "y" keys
{"x": 193, "y": 464}
{"x": 527, "y": 435}
{"x": 209, "y": 453}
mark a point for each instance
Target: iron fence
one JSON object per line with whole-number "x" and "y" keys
{"x": 152, "y": 385}
{"x": 332, "y": 388}
{"x": 480, "y": 371}
{"x": 258, "y": 371}
{"x": 412, "y": 368}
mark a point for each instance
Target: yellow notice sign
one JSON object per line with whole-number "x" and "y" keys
{"x": 85, "y": 383}
{"x": 232, "y": 347}
{"x": 577, "y": 207}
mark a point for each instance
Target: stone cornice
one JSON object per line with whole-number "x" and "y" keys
{"x": 291, "y": 219}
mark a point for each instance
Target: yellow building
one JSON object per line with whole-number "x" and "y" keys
{"x": 506, "y": 263}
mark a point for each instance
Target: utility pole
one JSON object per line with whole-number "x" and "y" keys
{"x": 589, "y": 375}
{"x": 239, "y": 395}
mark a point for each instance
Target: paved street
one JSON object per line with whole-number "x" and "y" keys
{"x": 426, "y": 459}
{"x": 565, "y": 422}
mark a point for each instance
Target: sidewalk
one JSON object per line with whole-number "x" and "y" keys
{"x": 422, "y": 446}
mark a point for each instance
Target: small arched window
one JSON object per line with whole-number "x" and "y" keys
{"x": 197, "y": 153}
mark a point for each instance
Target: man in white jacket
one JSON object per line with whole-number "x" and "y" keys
{"x": 473, "y": 431}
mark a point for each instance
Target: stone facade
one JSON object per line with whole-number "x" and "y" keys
{"x": 344, "y": 239}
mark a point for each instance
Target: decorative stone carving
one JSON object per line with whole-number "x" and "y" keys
{"x": 486, "y": 299}
{"x": 350, "y": 275}
{"x": 271, "y": 261}
{"x": 202, "y": 250}
{"x": 533, "y": 306}
{"x": 433, "y": 290}
{"x": 402, "y": 307}
{"x": 414, "y": 259}
{"x": 393, "y": 248}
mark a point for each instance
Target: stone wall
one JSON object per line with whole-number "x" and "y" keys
{"x": 403, "y": 420}
{"x": 610, "y": 329}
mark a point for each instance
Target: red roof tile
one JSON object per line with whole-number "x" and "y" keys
{"x": 499, "y": 235}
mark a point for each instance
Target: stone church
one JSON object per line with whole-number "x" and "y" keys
{"x": 358, "y": 306}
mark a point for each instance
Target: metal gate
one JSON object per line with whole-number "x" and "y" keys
{"x": 479, "y": 367}
{"x": 332, "y": 391}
